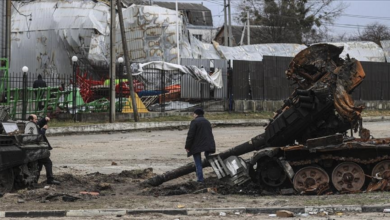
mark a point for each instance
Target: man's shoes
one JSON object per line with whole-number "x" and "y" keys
{"x": 53, "y": 182}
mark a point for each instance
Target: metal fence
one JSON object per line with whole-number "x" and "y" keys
{"x": 87, "y": 90}
{"x": 376, "y": 84}
{"x": 266, "y": 80}
{"x": 193, "y": 89}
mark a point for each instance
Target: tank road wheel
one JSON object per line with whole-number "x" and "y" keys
{"x": 6, "y": 180}
{"x": 271, "y": 173}
{"x": 348, "y": 176}
{"x": 310, "y": 179}
{"x": 381, "y": 167}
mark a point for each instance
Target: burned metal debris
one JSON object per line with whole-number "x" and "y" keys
{"x": 309, "y": 144}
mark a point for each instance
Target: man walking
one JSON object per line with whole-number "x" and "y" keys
{"x": 39, "y": 83}
{"x": 200, "y": 139}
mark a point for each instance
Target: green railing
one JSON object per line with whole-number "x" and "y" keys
{"x": 4, "y": 81}
{"x": 40, "y": 101}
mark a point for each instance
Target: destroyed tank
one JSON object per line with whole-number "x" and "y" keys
{"x": 21, "y": 146}
{"x": 309, "y": 145}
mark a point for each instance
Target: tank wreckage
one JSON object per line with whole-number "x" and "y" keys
{"x": 21, "y": 146}
{"x": 308, "y": 146}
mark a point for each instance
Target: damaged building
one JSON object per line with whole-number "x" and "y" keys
{"x": 55, "y": 30}
{"x": 198, "y": 19}
{"x": 58, "y": 30}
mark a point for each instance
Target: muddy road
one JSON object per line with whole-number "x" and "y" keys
{"x": 161, "y": 150}
{"x": 113, "y": 164}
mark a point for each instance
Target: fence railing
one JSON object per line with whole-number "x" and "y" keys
{"x": 87, "y": 90}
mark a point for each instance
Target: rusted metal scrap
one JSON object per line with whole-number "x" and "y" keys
{"x": 309, "y": 144}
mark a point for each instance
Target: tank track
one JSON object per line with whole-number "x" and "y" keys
{"x": 337, "y": 158}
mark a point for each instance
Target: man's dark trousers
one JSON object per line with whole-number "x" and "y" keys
{"x": 48, "y": 167}
{"x": 198, "y": 165}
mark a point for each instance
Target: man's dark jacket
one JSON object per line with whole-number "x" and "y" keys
{"x": 200, "y": 137}
{"x": 39, "y": 83}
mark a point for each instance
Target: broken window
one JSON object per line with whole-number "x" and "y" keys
{"x": 198, "y": 36}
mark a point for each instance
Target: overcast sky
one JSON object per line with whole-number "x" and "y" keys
{"x": 358, "y": 14}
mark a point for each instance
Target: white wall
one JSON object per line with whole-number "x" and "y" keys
{"x": 207, "y": 34}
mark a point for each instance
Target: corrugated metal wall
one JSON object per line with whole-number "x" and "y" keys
{"x": 242, "y": 71}
{"x": 256, "y": 70}
{"x": 376, "y": 84}
{"x": 191, "y": 88}
{"x": 268, "y": 80}
{"x": 275, "y": 81}
{"x": 3, "y": 51}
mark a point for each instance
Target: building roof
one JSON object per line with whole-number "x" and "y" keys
{"x": 237, "y": 32}
{"x": 182, "y": 6}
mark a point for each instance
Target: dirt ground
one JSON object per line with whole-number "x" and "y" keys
{"x": 114, "y": 164}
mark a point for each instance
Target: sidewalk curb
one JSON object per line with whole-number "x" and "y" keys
{"x": 126, "y": 126}
{"x": 33, "y": 214}
{"x": 95, "y": 212}
{"x": 193, "y": 211}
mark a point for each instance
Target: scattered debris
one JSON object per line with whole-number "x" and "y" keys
{"x": 200, "y": 191}
{"x": 323, "y": 213}
{"x": 137, "y": 174}
{"x": 222, "y": 214}
{"x": 303, "y": 214}
{"x": 89, "y": 193}
{"x": 213, "y": 190}
{"x": 20, "y": 201}
{"x": 181, "y": 206}
{"x": 69, "y": 198}
{"x": 284, "y": 214}
{"x": 113, "y": 163}
{"x": 103, "y": 186}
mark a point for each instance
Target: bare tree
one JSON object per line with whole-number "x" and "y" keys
{"x": 375, "y": 32}
{"x": 291, "y": 21}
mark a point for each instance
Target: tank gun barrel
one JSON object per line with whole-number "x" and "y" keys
{"x": 255, "y": 143}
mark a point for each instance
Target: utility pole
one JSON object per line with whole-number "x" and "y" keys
{"x": 177, "y": 33}
{"x": 112, "y": 63}
{"x": 249, "y": 28}
{"x": 8, "y": 31}
{"x": 225, "y": 31}
{"x": 127, "y": 61}
{"x": 230, "y": 27}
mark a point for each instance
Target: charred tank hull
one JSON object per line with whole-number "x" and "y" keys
{"x": 19, "y": 155}
{"x": 309, "y": 145}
